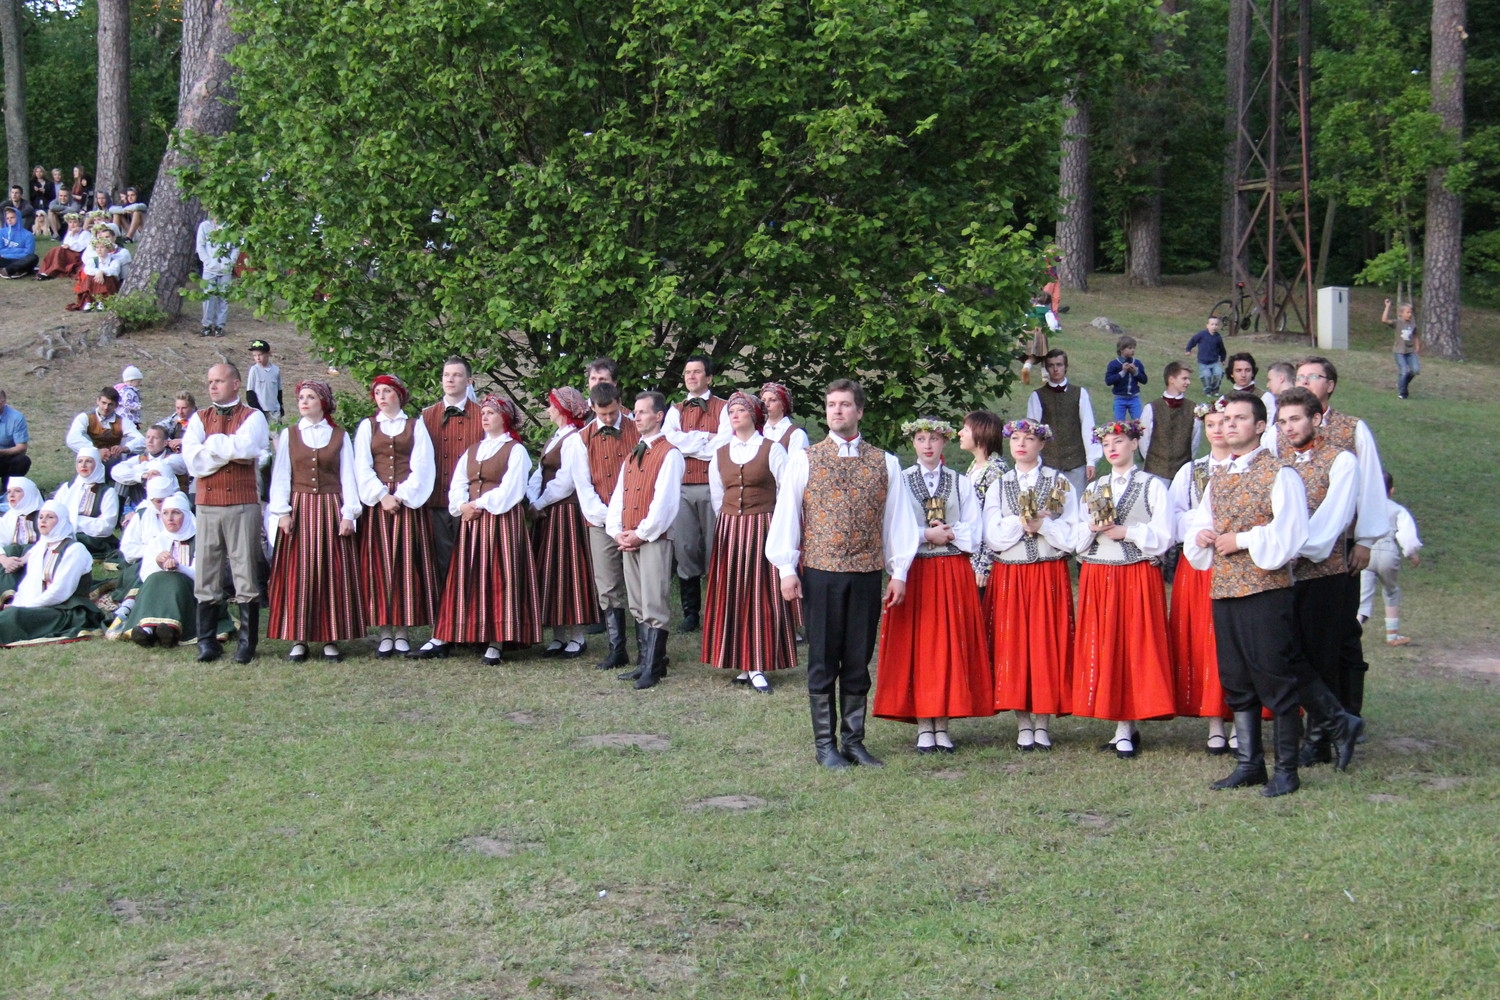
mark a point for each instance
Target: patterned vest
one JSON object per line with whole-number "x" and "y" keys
{"x": 1242, "y": 500}
{"x": 699, "y": 418}
{"x": 316, "y": 470}
{"x": 391, "y": 456}
{"x": 1339, "y": 430}
{"x": 1315, "y": 478}
{"x": 843, "y": 510}
{"x": 607, "y": 453}
{"x": 102, "y": 436}
{"x": 486, "y": 475}
{"x": 1028, "y": 550}
{"x": 945, "y": 499}
{"x": 234, "y": 483}
{"x": 748, "y": 488}
{"x": 1132, "y": 506}
{"x": 640, "y": 482}
{"x": 449, "y": 441}
{"x": 1171, "y": 438}
{"x": 1060, "y": 412}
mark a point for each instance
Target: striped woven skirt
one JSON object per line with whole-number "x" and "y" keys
{"x": 565, "y": 570}
{"x": 746, "y": 624}
{"x": 1195, "y": 653}
{"x": 491, "y": 594}
{"x": 1122, "y": 660}
{"x": 1031, "y": 606}
{"x": 315, "y": 587}
{"x": 395, "y": 555}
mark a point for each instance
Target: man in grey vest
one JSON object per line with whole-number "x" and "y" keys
{"x": 1066, "y": 409}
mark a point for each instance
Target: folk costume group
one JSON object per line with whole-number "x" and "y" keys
{"x": 442, "y": 520}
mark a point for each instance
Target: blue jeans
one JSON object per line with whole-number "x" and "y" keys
{"x": 1407, "y": 367}
{"x": 1210, "y": 376}
{"x": 1128, "y": 406}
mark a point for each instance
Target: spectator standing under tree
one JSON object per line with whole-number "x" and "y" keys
{"x": 1408, "y": 346}
{"x": 218, "y": 269}
{"x": 263, "y": 382}
{"x": 1125, "y": 376}
{"x": 1209, "y": 343}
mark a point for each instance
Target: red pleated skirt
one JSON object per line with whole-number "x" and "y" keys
{"x": 1032, "y": 608}
{"x": 61, "y": 260}
{"x": 491, "y": 594}
{"x": 1195, "y": 655}
{"x": 746, "y": 624}
{"x": 395, "y": 549}
{"x": 1122, "y": 660}
{"x": 316, "y": 595}
{"x": 934, "y": 659}
{"x": 565, "y": 569}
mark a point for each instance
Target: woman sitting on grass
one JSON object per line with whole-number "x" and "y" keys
{"x": 67, "y": 258}
{"x": 93, "y": 506}
{"x": 17, "y": 532}
{"x": 166, "y": 598}
{"x": 103, "y": 269}
{"x": 51, "y": 602}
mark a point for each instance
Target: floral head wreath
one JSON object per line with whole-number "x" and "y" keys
{"x": 931, "y": 425}
{"x": 1023, "y": 426}
{"x": 1129, "y": 428}
{"x": 73, "y": 217}
{"x": 1204, "y": 409}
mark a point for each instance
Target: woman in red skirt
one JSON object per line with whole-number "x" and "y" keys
{"x": 1195, "y": 656}
{"x": 1029, "y": 519}
{"x": 747, "y": 626}
{"x": 560, "y": 538}
{"x": 66, "y": 258}
{"x": 1122, "y": 661}
{"x": 491, "y": 595}
{"x": 315, "y": 584}
{"x": 394, "y": 467}
{"x": 934, "y": 662}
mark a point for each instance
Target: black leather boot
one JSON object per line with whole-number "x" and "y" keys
{"x": 249, "y": 637}
{"x": 1343, "y": 728}
{"x": 614, "y": 624}
{"x": 653, "y": 650}
{"x": 852, "y": 729}
{"x": 640, "y": 654}
{"x": 209, "y": 647}
{"x": 1250, "y": 757}
{"x": 1288, "y": 744}
{"x": 692, "y": 602}
{"x": 824, "y": 749}
{"x": 1316, "y": 747}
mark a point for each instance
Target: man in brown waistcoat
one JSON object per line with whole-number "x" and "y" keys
{"x": 1169, "y": 431}
{"x": 106, "y": 428}
{"x": 697, "y": 427}
{"x": 840, "y": 519}
{"x": 1067, "y": 409}
{"x": 453, "y": 424}
{"x": 1248, "y": 529}
{"x": 609, "y": 439}
{"x": 642, "y": 510}
{"x": 221, "y": 447}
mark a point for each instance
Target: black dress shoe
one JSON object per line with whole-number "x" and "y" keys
{"x": 763, "y": 687}
{"x": 337, "y": 656}
{"x": 298, "y": 653}
{"x": 490, "y": 657}
{"x": 386, "y": 649}
{"x": 553, "y": 649}
{"x": 167, "y": 637}
{"x": 431, "y": 651}
{"x": 573, "y": 654}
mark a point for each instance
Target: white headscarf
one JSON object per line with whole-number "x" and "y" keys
{"x": 97, "y": 476}
{"x": 31, "y": 497}
{"x": 63, "y": 530}
{"x": 160, "y": 487}
{"x": 179, "y": 501}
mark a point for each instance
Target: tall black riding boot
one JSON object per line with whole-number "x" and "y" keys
{"x": 640, "y": 654}
{"x": 209, "y": 647}
{"x": 1288, "y": 743}
{"x": 692, "y": 601}
{"x": 614, "y": 624}
{"x": 652, "y": 651}
{"x": 824, "y": 749}
{"x": 1344, "y": 728}
{"x": 249, "y": 637}
{"x": 852, "y": 729}
{"x": 1250, "y": 758}
{"x": 1316, "y": 746}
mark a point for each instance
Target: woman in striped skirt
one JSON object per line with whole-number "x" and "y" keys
{"x": 560, "y": 536}
{"x": 315, "y": 586}
{"x": 394, "y": 467}
{"x": 491, "y": 595}
{"x": 747, "y": 626}
{"x": 779, "y": 428}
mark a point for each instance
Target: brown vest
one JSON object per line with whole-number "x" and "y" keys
{"x": 843, "y": 510}
{"x": 1171, "y": 438}
{"x": 1060, "y": 412}
{"x": 391, "y": 456}
{"x": 606, "y": 455}
{"x": 234, "y": 483}
{"x": 786, "y": 438}
{"x": 449, "y": 441}
{"x": 748, "y": 488}
{"x": 1339, "y": 430}
{"x": 105, "y": 437}
{"x": 551, "y": 461}
{"x": 316, "y": 470}
{"x": 486, "y": 475}
{"x": 640, "y": 482}
{"x": 1315, "y": 478}
{"x": 697, "y": 418}
{"x": 1241, "y": 501}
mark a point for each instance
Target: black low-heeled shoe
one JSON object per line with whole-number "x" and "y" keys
{"x": 430, "y": 651}
{"x": 298, "y": 653}
{"x": 491, "y": 656}
{"x": 764, "y": 687}
{"x": 384, "y": 652}
{"x": 337, "y": 656}
{"x": 555, "y": 649}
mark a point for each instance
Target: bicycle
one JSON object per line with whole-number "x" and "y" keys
{"x": 1240, "y": 313}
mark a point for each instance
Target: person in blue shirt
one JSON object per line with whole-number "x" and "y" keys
{"x": 17, "y": 246}
{"x": 1125, "y": 376}
{"x": 13, "y": 440}
{"x": 1211, "y": 356}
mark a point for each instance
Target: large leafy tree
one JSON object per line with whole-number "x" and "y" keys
{"x": 807, "y": 190}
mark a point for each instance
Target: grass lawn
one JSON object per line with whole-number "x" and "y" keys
{"x": 434, "y": 830}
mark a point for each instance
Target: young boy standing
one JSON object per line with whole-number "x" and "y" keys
{"x": 1408, "y": 347}
{"x": 1125, "y": 376}
{"x": 1211, "y": 354}
{"x": 263, "y": 382}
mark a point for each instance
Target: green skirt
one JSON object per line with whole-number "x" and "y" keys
{"x": 75, "y": 618}
{"x": 10, "y": 581}
{"x": 166, "y": 598}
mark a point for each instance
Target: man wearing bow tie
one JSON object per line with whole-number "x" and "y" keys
{"x": 609, "y": 439}
{"x": 1067, "y": 409}
{"x": 698, "y": 426}
{"x": 1169, "y": 433}
{"x": 453, "y": 424}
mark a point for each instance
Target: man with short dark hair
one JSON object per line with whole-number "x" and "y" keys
{"x": 14, "y": 438}
{"x": 453, "y": 425}
{"x": 698, "y": 426}
{"x": 608, "y": 440}
{"x": 1169, "y": 431}
{"x": 1067, "y": 409}
{"x": 105, "y": 428}
{"x": 1242, "y": 372}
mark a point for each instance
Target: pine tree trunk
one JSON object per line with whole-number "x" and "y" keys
{"x": 112, "y": 160}
{"x": 1075, "y": 229}
{"x": 165, "y": 254}
{"x": 1237, "y": 59}
{"x": 17, "y": 152}
{"x": 1442, "y": 265}
{"x": 1143, "y": 238}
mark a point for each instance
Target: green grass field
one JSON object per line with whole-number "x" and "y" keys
{"x": 436, "y": 830}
